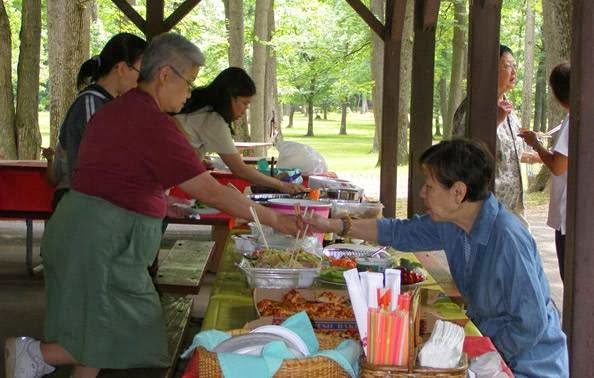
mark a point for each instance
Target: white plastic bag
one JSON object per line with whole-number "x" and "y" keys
{"x": 301, "y": 156}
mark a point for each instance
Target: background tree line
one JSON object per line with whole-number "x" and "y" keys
{"x": 314, "y": 55}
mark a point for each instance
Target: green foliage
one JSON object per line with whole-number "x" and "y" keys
{"x": 323, "y": 47}
{"x": 512, "y": 31}
{"x": 323, "y": 50}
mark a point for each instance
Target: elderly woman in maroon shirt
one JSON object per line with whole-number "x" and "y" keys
{"x": 102, "y": 308}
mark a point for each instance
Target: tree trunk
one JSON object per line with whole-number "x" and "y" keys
{"x": 325, "y": 112}
{"x": 459, "y": 48}
{"x": 291, "y": 114}
{"x": 443, "y": 105}
{"x": 405, "y": 83}
{"x": 235, "y": 29}
{"x": 528, "y": 66}
{"x": 8, "y": 147}
{"x": 437, "y": 127}
{"x": 364, "y": 106}
{"x": 68, "y": 29}
{"x": 343, "y": 116}
{"x": 310, "y": 115}
{"x": 271, "y": 105}
{"x": 557, "y": 36}
{"x": 27, "y": 99}
{"x": 539, "y": 96}
{"x": 377, "y": 73}
{"x": 257, "y": 110}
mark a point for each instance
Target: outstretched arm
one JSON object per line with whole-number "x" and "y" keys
{"x": 242, "y": 170}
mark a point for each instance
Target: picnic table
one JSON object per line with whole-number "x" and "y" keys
{"x": 26, "y": 195}
{"x": 247, "y": 146}
{"x": 231, "y": 303}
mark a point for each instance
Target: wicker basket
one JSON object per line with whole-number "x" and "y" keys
{"x": 310, "y": 367}
{"x": 372, "y": 371}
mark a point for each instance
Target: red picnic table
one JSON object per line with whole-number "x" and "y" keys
{"x": 26, "y": 195}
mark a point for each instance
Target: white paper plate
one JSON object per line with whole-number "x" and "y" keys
{"x": 287, "y": 334}
{"x": 252, "y": 344}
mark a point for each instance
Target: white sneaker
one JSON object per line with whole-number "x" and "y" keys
{"x": 23, "y": 359}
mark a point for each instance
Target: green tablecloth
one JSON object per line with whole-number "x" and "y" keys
{"x": 231, "y": 303}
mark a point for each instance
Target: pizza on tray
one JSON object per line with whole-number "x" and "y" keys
{"x": 327, "y": 305}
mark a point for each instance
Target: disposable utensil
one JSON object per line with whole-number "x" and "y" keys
{"x": 377, "y": 252}
{"x": 553, "y": 130}
{"x": 230, "y": 184}
{"x": 259, "y": 225}
{"x": 298, "y": 213}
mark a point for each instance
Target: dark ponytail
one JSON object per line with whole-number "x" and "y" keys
{"x": 230, "y": 83}
{"x": 122, "y": 47}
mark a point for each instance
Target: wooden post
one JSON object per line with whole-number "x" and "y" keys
{"x": 154, "y": 18}
{"x": 395, "y": 10}
{"x": 578, "y": 300}
{"x": 154, "y": 23}
{"x": 421, "y": 125}
{"x": 485, "y": 17}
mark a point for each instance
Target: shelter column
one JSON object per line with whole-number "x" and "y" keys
{"x": 485, "y": 18}
{"x": 421, "y": 125}
{"x": 395, "y": 10}
{"x": 578, "y": 300}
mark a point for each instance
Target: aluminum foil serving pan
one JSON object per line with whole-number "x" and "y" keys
{"x": 354, "y": 250}
{"x": 278, "y": 278}
{"x": 263, "y": 197}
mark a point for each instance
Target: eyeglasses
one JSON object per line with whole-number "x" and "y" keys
{"x": 191, "y": 86}
{"x": 130, "y": 66}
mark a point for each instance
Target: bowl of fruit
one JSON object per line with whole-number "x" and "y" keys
{"x": 411, "y": 273}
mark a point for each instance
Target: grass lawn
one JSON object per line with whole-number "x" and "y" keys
{"x": 44, "y": 127}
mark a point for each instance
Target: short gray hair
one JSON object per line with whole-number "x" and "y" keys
{"x": 169, "y": 49}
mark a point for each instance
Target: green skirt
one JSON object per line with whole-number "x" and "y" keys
{"x": 101, "y": 304}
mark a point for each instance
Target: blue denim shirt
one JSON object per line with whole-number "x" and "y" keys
{"x": 502, "y": 282}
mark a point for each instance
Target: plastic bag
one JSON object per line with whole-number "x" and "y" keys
{"x": 301, "y": 156}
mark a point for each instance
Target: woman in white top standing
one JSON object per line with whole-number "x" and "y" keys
{"x": 206, "y": 119}
{"x": 556, "y": 160}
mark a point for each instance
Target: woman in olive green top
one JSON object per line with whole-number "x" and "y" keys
{"x": 206, "y": 119}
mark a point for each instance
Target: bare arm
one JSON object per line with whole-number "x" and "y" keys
{"x": 556, "y": 162}
{"x": 242, "y": 170}
{"x": 48, "y": 154}
{"x": 207, "y": 190}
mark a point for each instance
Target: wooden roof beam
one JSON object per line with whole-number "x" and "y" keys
{"x": 131, "y": 13}
{"x": 181, "y": 12}
{"x": 368, "y": 17}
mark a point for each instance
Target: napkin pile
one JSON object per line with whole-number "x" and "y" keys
{"x": 444, "y": 347}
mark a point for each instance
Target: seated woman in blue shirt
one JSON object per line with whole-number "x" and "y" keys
{"x": 492, "y": 256}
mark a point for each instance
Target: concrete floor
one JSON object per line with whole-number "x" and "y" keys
{"x": 22, "y": 296}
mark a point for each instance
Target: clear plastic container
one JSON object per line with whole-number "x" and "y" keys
{"x": 358, "y": 210}
{"x": 278, "y": 278}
